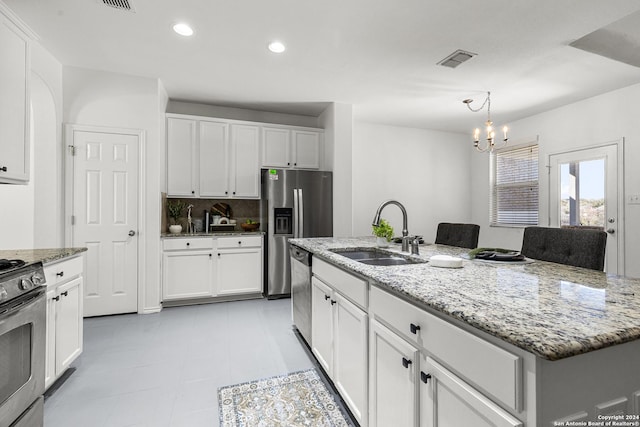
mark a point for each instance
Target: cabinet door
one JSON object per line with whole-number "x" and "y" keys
{"x": 14, "y": 104}
{"x": 187, "y": 274}
{"x": 322, "y": 324}
{"x": 50, "y": 355}
{"x": 245, "y": 169}
{"x": 393, "y": 392}
{"x": 181, "y": 144}
{"x": 350, "y": 356}
{"x": 306, "y": 146}
{"x": 446, "y": 400}
{"x": 214, "y": 152}
{"x": 239, "y": 271}
{"x": 276, "y": 144}
{"x": 68, "y": 324}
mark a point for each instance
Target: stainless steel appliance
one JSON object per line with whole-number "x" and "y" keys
{"x": 301, "y": 291}
{"x": 294, "y": 203}
{"x": 22, "y": 344}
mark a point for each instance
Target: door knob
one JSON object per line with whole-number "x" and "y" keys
{"x": 132, "y": 233}
{"x": 611, "y": 230}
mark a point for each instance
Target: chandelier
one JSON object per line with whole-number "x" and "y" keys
{"x": 490, "y": 132}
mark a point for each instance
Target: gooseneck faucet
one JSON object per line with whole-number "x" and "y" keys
{"x": 405, "y": 233}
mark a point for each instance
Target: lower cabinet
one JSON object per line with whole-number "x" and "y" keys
{"x": 64, "y": 317}
{"x": 339, "y": 331}
{"x": 446, "y": 400}
{"x": 393, "y": 364}
{"x": 205, "y": 267}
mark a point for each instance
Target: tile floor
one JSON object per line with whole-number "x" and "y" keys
{"x": 165, "y": 369}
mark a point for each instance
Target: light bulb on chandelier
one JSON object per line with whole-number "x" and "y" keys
{"x": 490, "y": 132}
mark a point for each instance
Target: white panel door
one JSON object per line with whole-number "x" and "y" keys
{"x": 276, "y": 147}
{"x": 105, "y": 207}
{"x": 187, "y": 274}
{"x": 68, "y": 324}
{"x": 584, "y": 190}
{"x": 306, "y": 147}
{"x": 322, "y": 324}
{"x": 181, "y": 146}
{"x": 239, "y": 271}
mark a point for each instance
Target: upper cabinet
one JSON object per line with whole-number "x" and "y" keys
{"x": 284, "y": 147}
{"x": 220, "y": 158}
{"x": 212, "y": 158}
{"x": 14, "y": 103}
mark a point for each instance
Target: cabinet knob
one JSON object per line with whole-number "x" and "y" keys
{"x": 234, "y": 192}
{"x": 188, "y": 243}
{"x": 424, "y": 377}
{"x": 65, "y": 293}
{"x": 210, "y": 255}
{"x": 414, "y": 328}
{"x": 326, "y": 297}
{"x": 226, "y": 192}
{"x": 406, "y": 362}
{"x": 295, "y": 164}
{"x": 193, "y": 192}
{"x": 3, "y": 169}
{"x": 56, "y": 298}
{"x": 288, "y": 163}
{"x": 333, "y": 302}
{"x": 60, "y": 274}
{"x": 239, "y": 242}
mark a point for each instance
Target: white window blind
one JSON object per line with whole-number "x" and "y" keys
{"x": 514, "y": 186}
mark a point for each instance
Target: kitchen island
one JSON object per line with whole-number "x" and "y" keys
{"x": 567, "y": 337}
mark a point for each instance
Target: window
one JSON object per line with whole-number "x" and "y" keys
{"x": 514, "y": 186}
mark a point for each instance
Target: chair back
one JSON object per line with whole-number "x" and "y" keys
{"x": 570, "y": 246}
{"x": 455, "y": 234}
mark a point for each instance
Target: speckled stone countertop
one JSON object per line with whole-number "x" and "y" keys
{"x": 550, "y": 310}
{"x": 45, "y": 256}
{"x": 212, "y": 234}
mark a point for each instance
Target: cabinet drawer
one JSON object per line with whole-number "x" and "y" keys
{"x": 239, "y": 242}
{"x": 481, "y": 363}
{"x": 176, "y": 244}
{"x": 347, "y": 284}
{"x": 62, "y": 271}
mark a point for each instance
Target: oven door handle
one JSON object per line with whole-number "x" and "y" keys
{"x": 15, "y": 306}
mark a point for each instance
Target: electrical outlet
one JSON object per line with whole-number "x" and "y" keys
{"x": 634, "y": 199}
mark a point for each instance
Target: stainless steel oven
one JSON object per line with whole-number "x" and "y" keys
{"x": 22, "y": 346}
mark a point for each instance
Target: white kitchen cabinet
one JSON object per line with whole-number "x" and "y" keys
{"x": 339, "y": 336}
{"x": 239, "y": 265}
{"x": 214, "y": 152}
{"x": 187, "y": 268}
{"x": 64, "y": 316}
{"x": 393, "y": 390}
{"x": 182, "y": 176}
{"x": 14, "y": 103}
{"x": 284, "y": 147}
{"x": 244, "y": 174}
{"x": 447, "y": 400}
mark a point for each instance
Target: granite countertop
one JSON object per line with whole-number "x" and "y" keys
{"x": 46, "y": 256}
{"x": 211, "y": 234}
{"x": 551, "y": 310}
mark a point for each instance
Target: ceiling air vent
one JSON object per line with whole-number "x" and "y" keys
{"x": 456, "y": 58}
{"x": 119, "y": 4}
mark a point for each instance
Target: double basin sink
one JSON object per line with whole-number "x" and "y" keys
{"x": 377, "y": 257}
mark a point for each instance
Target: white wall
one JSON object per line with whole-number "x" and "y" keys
{"x": 207, "y": 110}
{"x": 596, "y": 120}
{"x": 115, "y": 100}
{"x": 427, "y": 171}
{"x": 337, "y": 121}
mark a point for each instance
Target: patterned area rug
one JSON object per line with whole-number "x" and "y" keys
{"x": 297, "y": 399}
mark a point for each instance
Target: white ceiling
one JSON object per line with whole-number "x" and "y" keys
{"x": 378, "y": 55}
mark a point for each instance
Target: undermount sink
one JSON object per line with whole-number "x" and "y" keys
{"x": 377, "y": 257}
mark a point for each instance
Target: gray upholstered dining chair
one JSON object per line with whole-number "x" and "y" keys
{"x": 455, "y": 234}
{"x": 571, "y": 246}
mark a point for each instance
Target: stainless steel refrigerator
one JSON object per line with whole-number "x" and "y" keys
{"x": 294, "y": 203}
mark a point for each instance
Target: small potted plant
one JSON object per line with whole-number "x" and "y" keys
{"x": 175, "y": 209}
{"x": 383, "y": 233}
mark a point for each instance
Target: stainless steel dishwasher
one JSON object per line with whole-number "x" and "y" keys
{"x": 301, "y": 291}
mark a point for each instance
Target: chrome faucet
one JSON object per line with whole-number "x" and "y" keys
{"x": 405, "y": 233}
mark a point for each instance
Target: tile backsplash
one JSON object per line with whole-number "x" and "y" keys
{"x": 241, "y": 210}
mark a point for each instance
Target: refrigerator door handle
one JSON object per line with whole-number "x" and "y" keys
{"x": 295, "y": 213}
{"x": 300, "y": 213}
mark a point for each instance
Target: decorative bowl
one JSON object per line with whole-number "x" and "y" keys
{"x": 250, "y": 227}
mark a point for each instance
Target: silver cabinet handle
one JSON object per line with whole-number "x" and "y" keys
{"x": 132, "y": 233}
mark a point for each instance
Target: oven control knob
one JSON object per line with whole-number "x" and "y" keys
{"x": 26, "y": 284}
{"x": 37, "y": 279}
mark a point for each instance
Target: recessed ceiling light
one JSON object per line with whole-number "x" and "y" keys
{"x": 183, "y": 29}
{"x": 276, "y": 47}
